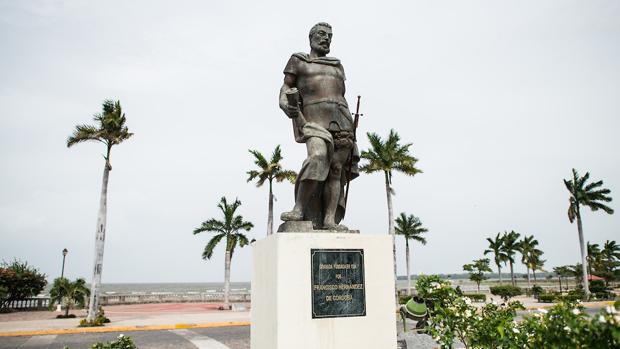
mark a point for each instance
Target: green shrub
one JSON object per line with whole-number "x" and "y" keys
{"x": 404, "y": 299}
{"x": 597, "y": 286}
{"x": 547, "y": 297}
{"x": 536, "y": 290}
{"x": 18, "y": 281}
{"x": 506, "y": 291}
{"x": 476, "y": 297}
{"x": 604, "y": 295}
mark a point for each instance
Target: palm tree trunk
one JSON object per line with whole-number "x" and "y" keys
{"x": 95, "y": 286}
{"x": 499, "y": 271}
{"x": 584, "y": 263}
{"x": 534, "y": 273}
{"x": 408, "y": 270}
{"x": 512, "y": 275}
{"x": 227, "y": 280}
{"x": 528, "y": 277}
{"x": 67, "y": 309}
{"x": 391, "y": 232}
{"x": 270, "y": 217}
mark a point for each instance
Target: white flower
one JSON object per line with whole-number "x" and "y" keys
{"x": 121, "y": 335}
{"x": 566, "y": 328}
{"x": 576, "y": 311}
{"x": 617, "y": 318}
{"x": 601, "y": 319}
{"x": 467, "y": 313}
{"x": 544, "y": 311}
{"x": 610, "y": 309}
{"x": 515, "y": 330}
{"x": 467, "y": 301}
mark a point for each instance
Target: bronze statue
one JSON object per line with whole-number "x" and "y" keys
{"x": 313, "y": 97}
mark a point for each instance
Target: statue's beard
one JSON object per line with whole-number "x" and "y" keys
{"x": 321, "y": 49}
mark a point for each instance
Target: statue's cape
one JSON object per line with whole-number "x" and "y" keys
{"x": 320, "y": 60}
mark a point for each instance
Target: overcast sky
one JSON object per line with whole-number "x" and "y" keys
{"x": 499, "y": 98}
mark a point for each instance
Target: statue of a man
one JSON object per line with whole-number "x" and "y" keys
{"x": 313, "y": 97}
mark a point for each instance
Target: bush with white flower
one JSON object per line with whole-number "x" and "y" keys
{"x": 453, "y": 318}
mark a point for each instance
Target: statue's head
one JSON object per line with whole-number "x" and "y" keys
{"x": 321, "y": 38}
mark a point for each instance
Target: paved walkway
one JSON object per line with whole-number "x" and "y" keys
{"x": 126, "y": 318}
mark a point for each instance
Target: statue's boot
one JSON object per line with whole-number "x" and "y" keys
{"x": 336, "y": 227}
{"x": 292, "y": 216}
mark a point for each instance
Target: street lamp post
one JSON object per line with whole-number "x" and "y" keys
{"x": 64, "y": 254}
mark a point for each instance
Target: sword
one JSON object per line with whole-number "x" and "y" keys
{"x": 355, "y": 123}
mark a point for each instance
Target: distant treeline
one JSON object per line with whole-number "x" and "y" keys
{"x": 465, "y": 276}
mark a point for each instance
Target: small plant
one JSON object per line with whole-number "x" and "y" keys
{"x": 122, "y": 342}
{"x": 99, "y": 320}
{"x": 476, "y": 297}
{"x": 506, "y": 291}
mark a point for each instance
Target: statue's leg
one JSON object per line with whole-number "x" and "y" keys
{"x": 332, "y": 188}
{"x": 317, "y": 152}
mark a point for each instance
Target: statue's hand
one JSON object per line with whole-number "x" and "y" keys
{"x": 292, "y": 111}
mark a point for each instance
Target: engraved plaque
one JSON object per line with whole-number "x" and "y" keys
{"x": 338, "y": 288}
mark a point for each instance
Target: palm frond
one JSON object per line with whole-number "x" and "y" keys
{"x": 259, "y": 159}
{"x": 210, "y": 247}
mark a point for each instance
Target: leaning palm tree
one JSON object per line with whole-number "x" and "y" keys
{"x": 592, "y": 196}
{"x": 268, "y": 172}
{"x": 67, "y": 293}
{"x": 110, "y": 130}
{"x": 228, "y": 228}
{"x": 526, "y": 247}
{"x": 495, "y": 247}
{"x": 389, "y": 156}
{"x": 510, "y": 248}
{"x": 410, "y": 227}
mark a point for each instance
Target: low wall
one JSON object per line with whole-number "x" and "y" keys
{"x": 107, "y": 299}
{"x": 37, "y": 303}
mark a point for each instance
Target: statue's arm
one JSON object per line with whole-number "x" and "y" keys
{"x": 290, "y": 81}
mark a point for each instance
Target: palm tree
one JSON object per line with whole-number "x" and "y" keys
{"x": 611, "y": 250}
{"x": 388, "y": 156}
{"x": 594, "y": 256}
{"x": 562, "y": 272}
{"x": 268, "y": 172}
{"x": 110, "y": 130}
{"x": 526, "y": 247}
{"x": 229, "y": 229}
{"x": 536, "y": 262}
{"x": 495, "y": 247}
{"x": 66, "y": 293}
{"x": 592, "y": 196}
{"x": 410, "y": 227}
{"x": 610, "y": 261}
{"x": 510, "y": 248}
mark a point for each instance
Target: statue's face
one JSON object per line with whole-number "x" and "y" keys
{"x": 321, "y": 40}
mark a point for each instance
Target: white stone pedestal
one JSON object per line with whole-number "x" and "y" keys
{"x": 282, "y": 294}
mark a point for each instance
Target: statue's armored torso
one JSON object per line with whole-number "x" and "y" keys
{"x": 320, "y": 82}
